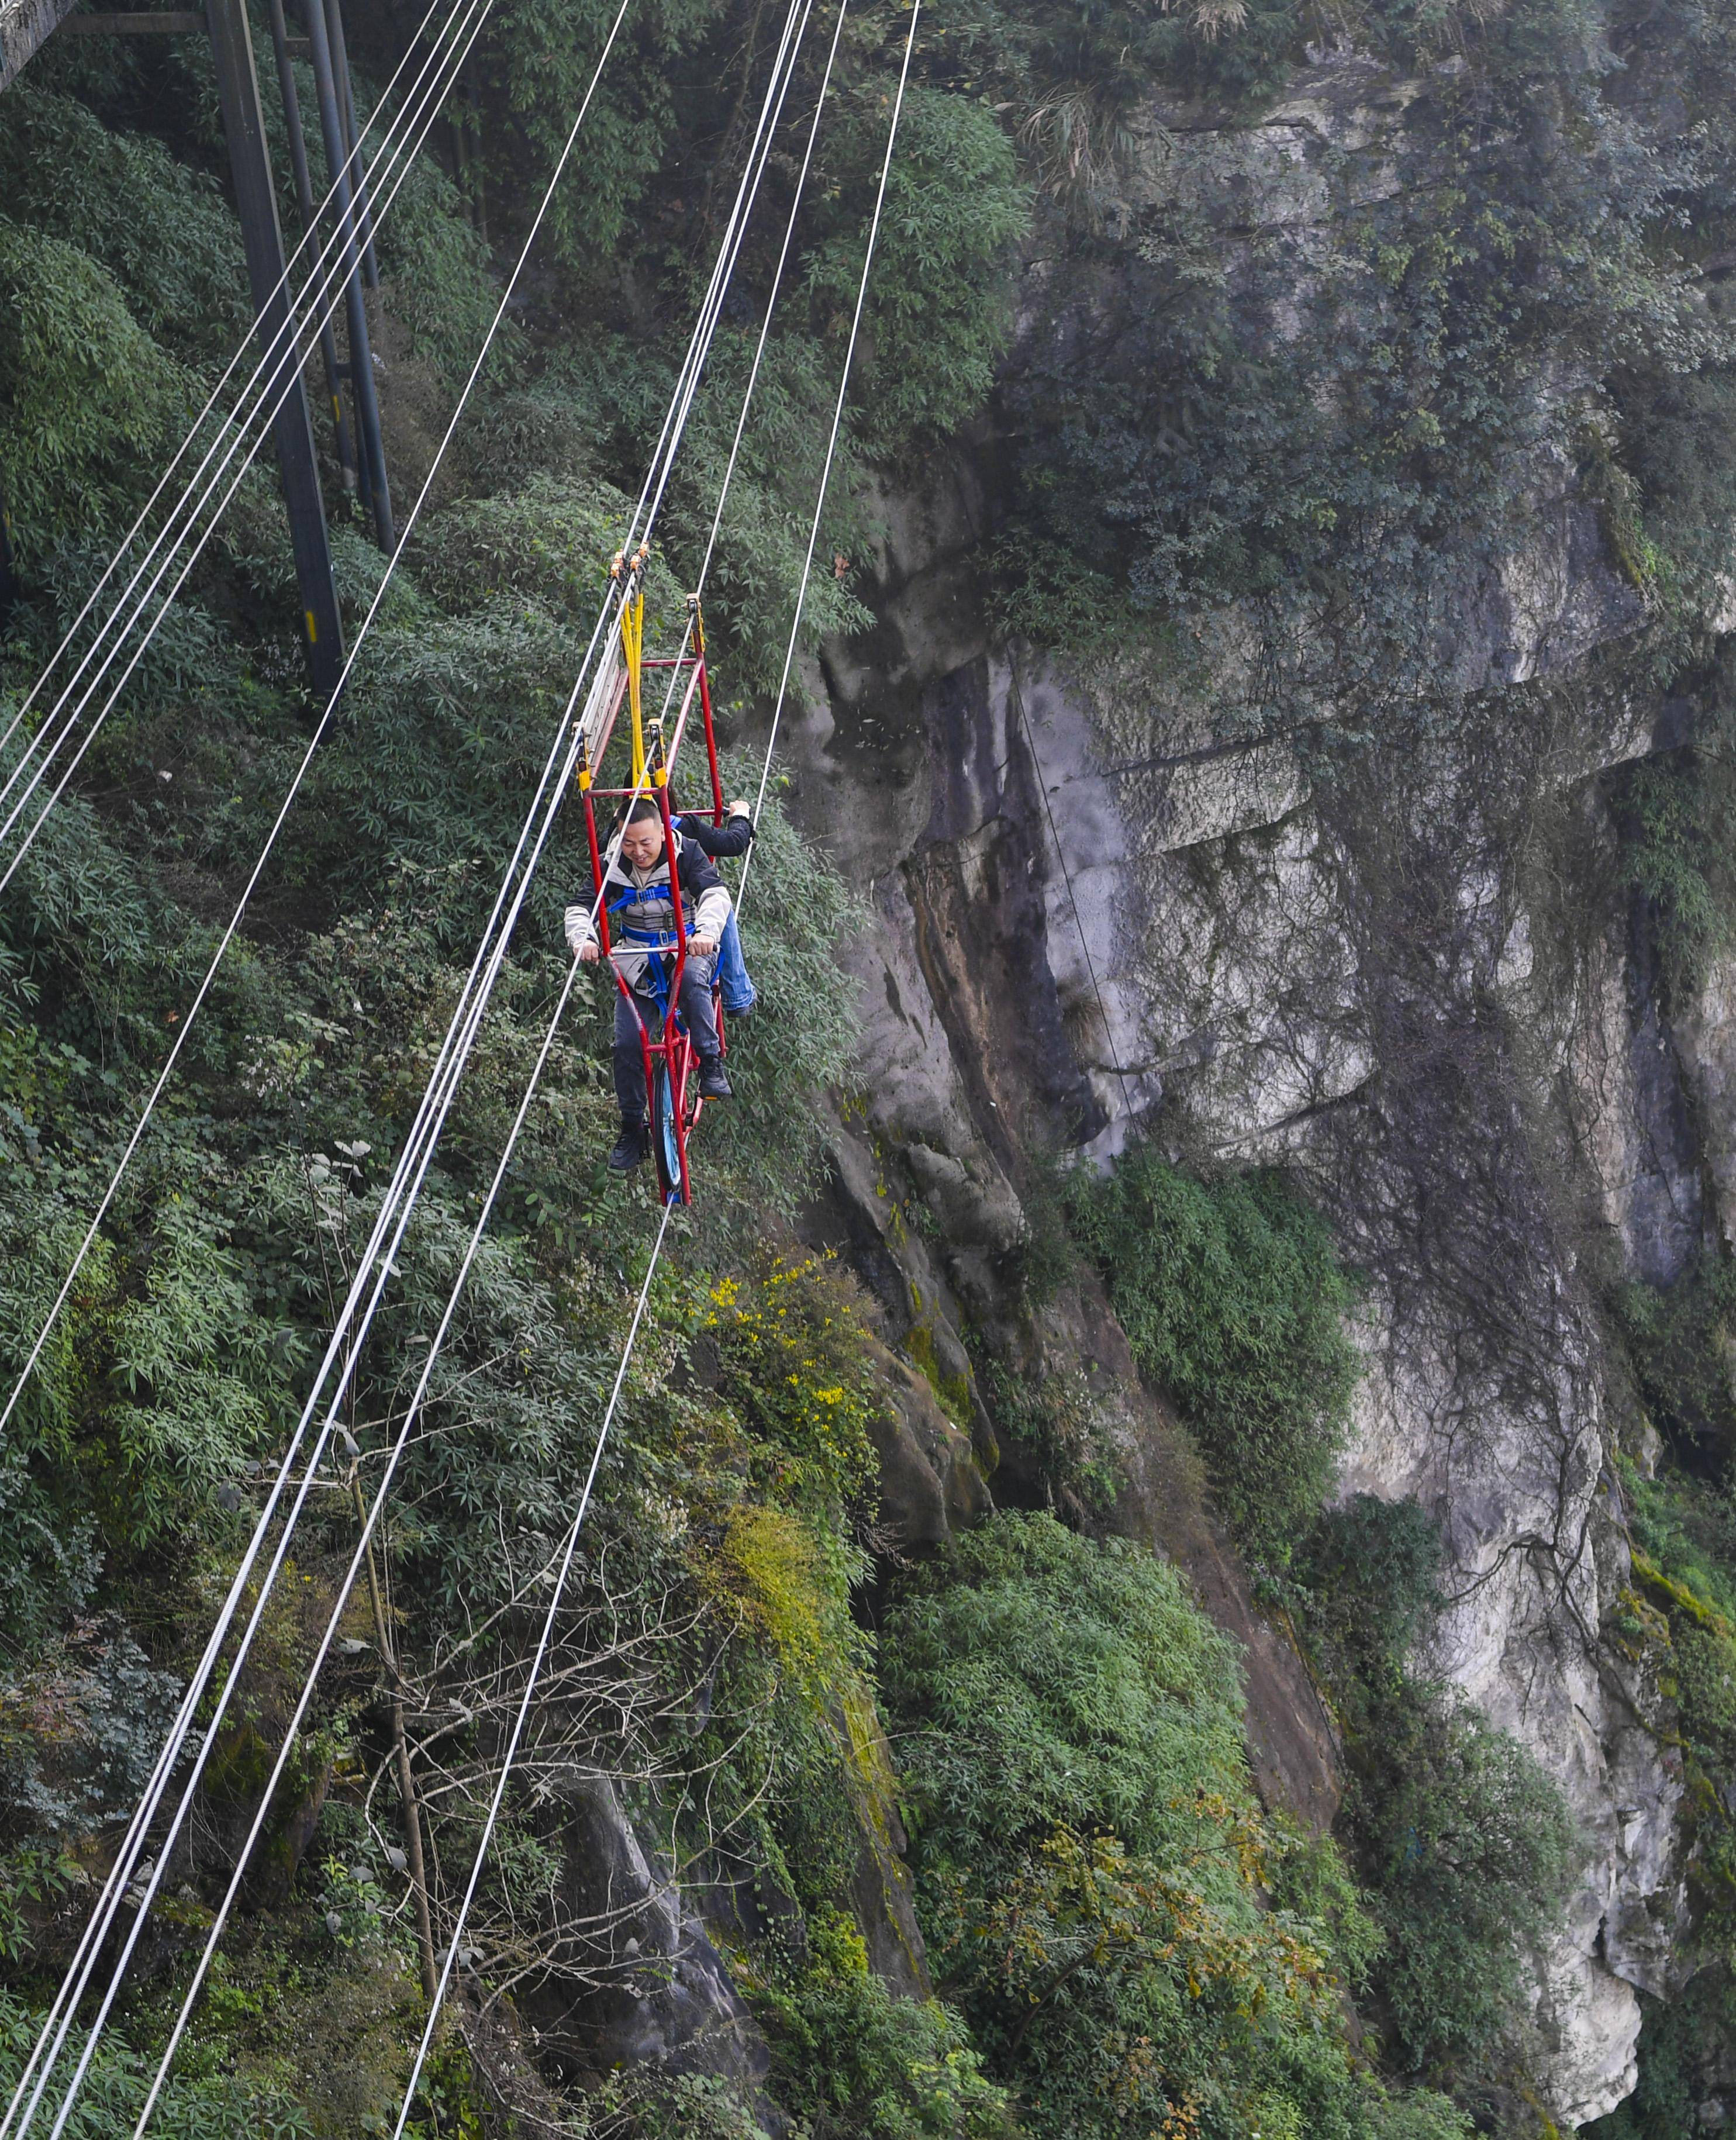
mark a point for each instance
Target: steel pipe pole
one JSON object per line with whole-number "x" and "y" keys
{"x": 304, "y": 196}
{"x": 352, "y": 133}
{"x": 361, "y": 354}
{"x": 256, "y": 201}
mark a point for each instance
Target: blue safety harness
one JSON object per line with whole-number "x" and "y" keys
{"x": 658, "y": 969}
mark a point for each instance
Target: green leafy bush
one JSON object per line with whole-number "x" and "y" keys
{"x": 1465, "y": 1846}
{"x": 1468, "y": 1849}
{"x": 1675, "y": 1341}
{"x": 1042, "y": 1679}
{"x": 853, "y": 2057}
{"x": 940, "y": 302}
{"x": 802, "y": 1037}
{"x": 1233, "y": 1300}
{"x": 1684, "y": 2043}
{"x": 115, "y": 2091}
{"x": 88, "y": 401}
{"x": 1368, "y": 1573}
{"x": 162, "y": 230}
{"x": 1091, "y": 1859}
{"x": 550, "y": 543}
{"x": 1679, "y": 1617}
{"x": 1678, "y": 815}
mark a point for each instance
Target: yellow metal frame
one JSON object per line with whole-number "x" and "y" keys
{"x": 632, "y": 647}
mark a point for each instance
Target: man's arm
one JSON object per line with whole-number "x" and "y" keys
{"x": 705, "y": 897}
{"x": 723, "y": 842}
{"x": 580, "y": 930}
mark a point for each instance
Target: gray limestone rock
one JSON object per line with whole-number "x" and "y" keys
{"x": 655, "y": 1992}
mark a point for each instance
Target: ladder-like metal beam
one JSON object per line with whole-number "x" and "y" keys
{"x": 237, "y": 92}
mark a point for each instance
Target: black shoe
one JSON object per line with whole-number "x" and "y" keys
{"x": 629, "y": 1148}
{"x": 713, "y": 1085}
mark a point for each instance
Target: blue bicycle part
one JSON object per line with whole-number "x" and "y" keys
{"x": 666, "y": 1138}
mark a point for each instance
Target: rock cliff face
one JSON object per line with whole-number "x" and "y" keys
{"x": 1106, "y": 890}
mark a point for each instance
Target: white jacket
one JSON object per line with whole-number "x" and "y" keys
{"x": 639, "y": 903}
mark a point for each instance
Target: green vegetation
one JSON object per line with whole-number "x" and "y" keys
{"x": 214, "y": 2109}
{"x": 1675, "y": 1623}
{"x": 1234, "y": 1304}
{"x": 1682, "y": 2045}
{"x": 1090, "y": 1855}
{"x": 856, "y": 2058}
{"x": 1678, "y": 814}
{"x": 1676, "y": 1342}
{"x": 1468, "y": 1849}
{"x": 1678, "y": 1620}
{"x": 1464, "y": 1845}
{"x": 1338, "y": 465}
{"x": 1680, "y": 1616}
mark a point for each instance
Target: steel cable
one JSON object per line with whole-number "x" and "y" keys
{"x": 546, "y": 1633}
{"x": 157, "y": 1870}
{"x": 596, "y": 701}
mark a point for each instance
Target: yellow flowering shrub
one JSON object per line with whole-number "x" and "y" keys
{"x": 793, "y": 1361}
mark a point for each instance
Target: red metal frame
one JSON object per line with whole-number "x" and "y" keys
{"x": 674, "y": 1049}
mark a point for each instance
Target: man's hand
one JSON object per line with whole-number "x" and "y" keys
{"x": 740, "y": 808}
{"x": 590, "y": 951}
{"x": 701, "y": 947}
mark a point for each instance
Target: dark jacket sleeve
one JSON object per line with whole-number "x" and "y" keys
{"x": 694, "y": 870}
{"x": 723, "y": 842}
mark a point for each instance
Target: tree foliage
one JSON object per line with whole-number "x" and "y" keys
{"x": 1466, "y": 1846}
{"x": 1234, "y": 1301}
{"x": 1091, "y": 1858}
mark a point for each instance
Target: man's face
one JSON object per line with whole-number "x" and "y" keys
{"x": 642, "y": 842}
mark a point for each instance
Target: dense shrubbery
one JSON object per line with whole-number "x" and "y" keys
{"x": 1678, "y": 1619}
{"x": 191, "y": 2109}
{"x": 1046, "y": 1680}
{"x": 856, "y": 2058}
{"x": 1678, "y": 815}
{"x": 1234, "y": 1301}
{"x": 1467, "y": 1847}
{"x": 1464, "y": 1844}
{"x": 1676, "y": 1622}
{"x": 1090, "y": 1853}
{"x": 1675, "y": 1340}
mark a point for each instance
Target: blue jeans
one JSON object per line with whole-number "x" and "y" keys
{"x": 629, "y": 1062}
{"x": 739, "y": 992}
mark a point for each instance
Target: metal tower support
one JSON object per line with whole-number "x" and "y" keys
{"x": 238, "y": 91}
{"x": 352, "y": 136}
{"x": 304, "y": 196}
{"x": 361, "y": 359}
